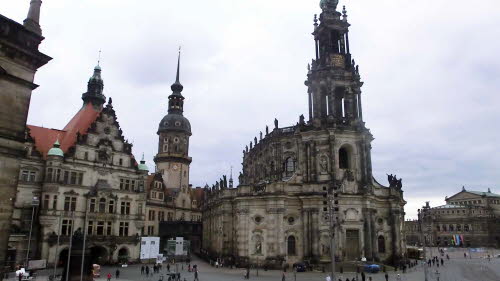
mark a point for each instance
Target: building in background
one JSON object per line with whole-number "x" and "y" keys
{"x": 19, "y": 61}
{"x": 173, "y": 206}
{"x": 468, "y": 219}
{"x": 279, "y": 212}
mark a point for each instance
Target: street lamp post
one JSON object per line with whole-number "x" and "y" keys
{"x": 34, "y": 203}
{"x": 423, "y": 217}
{"x": 333, "y": 208}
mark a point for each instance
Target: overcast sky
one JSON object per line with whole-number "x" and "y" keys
{"x": 431, "y": 70}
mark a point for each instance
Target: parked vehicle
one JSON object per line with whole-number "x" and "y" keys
{"x": 372, "y": 268}
{"x": 300, "y": 267}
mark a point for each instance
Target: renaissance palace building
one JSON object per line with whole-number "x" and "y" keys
{"x": 279, "y": 212}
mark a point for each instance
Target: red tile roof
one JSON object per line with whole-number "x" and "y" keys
{"x": 80, "y": 123}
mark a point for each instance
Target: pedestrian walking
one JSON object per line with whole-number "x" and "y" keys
{"x": 142, "y": 270}
{"x": 196, "y": 276}
{"x": 347, "y": 279}
{"x": 117, "y": 273}
{"x": 363, "y": 276}
{"x": 442, "y": 262}
{"x": 168, "y": 267}
{"x": 328, "y": 278}
{"x": 109, "y": 276}
{"x": 398, "y": 278}
{"x": 465, "y": 255}
{"x": 386, "y": 277}
{"x": 283, "y": 276}
{"x": 147, "y": 270}
{"x": 370, "y": 278}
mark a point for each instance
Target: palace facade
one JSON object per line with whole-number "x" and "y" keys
{"x": 279, "y": 213}
{"x": 473, "y": 216}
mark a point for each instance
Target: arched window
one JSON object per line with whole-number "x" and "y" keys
{"x": 102, "y": 205}
{"x": 381, "y": 244}
{"x": 343, "y": 158}
{"x": 289, "y": 166}
{"x": 291, "y": 246}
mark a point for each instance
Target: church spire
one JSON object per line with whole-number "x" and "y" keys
{"x": 32, "y": 21}
{"x": 176, "y": 100}
{"x": 177, "y": 86}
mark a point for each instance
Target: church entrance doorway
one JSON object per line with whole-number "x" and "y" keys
{"x": 352, "y": 244}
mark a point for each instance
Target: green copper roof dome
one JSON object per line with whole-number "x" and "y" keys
{"x": 142, "y": 166}
{"x": 56, "y": 150}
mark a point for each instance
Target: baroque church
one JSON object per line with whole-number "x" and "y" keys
{"x": 279, "y": 213}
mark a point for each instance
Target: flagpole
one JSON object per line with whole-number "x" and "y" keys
{"x": 70, "y": 244}
{"x": 56, "y": 259}
{"x": 84, "y": 240}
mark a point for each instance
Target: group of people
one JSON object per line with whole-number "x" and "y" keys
{"x": 117, "y": 275}
{"x": 435, "y": 261}
{"x": 363, "y": 278}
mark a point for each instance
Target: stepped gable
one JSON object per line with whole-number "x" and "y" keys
{"x": 80, "y": 123}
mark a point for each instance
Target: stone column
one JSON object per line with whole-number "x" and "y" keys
{"x": 315, "y": 233}
{"x": 305, "y": 235}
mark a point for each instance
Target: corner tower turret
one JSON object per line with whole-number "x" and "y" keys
{"x": 333, "y": 80}
{"x": 174, "y": 131}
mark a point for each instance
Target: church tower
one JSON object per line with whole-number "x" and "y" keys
{"x": 174, "y": 131}
{"x": 333, "y": 79}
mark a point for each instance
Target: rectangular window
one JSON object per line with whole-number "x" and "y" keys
{"x": 127, "y": 184}
{"x": 69, "y": 203}
{"x": 24, "y": 175}
{"x": 49, "y": 176}
{"x": 123, "y": 231}
{"x": 151, "y": 230}
{"x": 67, "y": 226}
{"x": 66, "y": 177}
{"x": 141, "y": 185}
{"x": 160, "y": 195}
{"x": 100, "y": 228}
{"x": 153, "y": 195}
{"x": 111, "y": 206}
{"x": 151, "y": 215}
{"x": 132, "y": 185}
{"x": 92, "y": 205}
{"x": 139, "y": 209}
{"x": 32, "y": 176}
{"x": 58, "y": 175}
{"x": 46, "y": 202}
{"x": 125, "y": 208}
{"x": 109, "y": 228}
{"x": 54, "y": 203}
{"x": 73, "y": 178}
{"x": 79, "y": 179}
{"x": 122, "y": 184}
{"x": 86, "y": 156}
{"x": 161, "y": 216}
{"x": 90, "y": 228}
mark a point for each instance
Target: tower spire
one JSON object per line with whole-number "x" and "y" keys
{"x": 32, "y": 21}
{"x": 178, "y": 66}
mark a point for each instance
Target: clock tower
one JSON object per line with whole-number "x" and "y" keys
{"x": 173, "y": 160}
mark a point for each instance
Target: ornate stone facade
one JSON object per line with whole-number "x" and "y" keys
{"x": 473, "y": 216}
{"x": 19, "y": 60}
{"x": 279, "y": 211}
{"x": 85, "y": 177}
